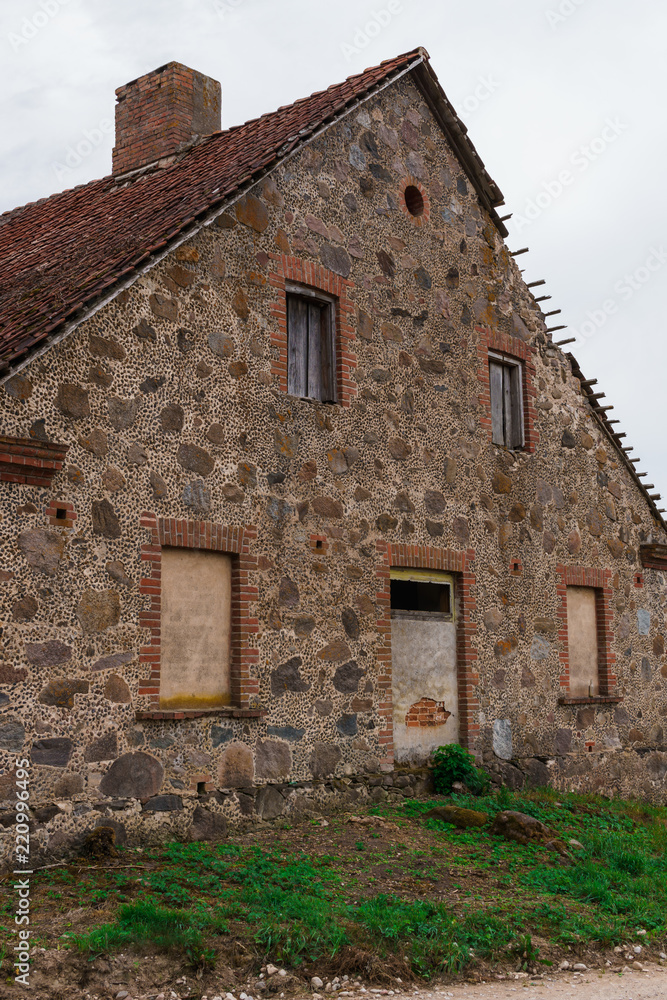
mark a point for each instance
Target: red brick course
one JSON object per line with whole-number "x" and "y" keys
{"x": 33, "y": 463}
{"x": 235, "y": 540}
{"x": 313, "y": 275}
{"x": 450, "y": 561}
{"x": 427, "y": 712}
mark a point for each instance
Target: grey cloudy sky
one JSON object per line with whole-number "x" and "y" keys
{"x": 564, "y": 100}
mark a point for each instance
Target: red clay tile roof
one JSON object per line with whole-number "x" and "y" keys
{"x": 63, "y": 255}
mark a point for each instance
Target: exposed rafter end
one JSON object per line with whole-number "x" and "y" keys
{"x": 568, "y": 340}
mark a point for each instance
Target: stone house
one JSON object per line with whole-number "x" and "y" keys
{"x": 296, "y": 485}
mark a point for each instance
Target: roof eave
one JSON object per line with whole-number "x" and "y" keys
{"x": 601, "y": 419}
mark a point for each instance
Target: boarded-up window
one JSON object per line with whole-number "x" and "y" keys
{"x": 582, "y": 641}
{"x": 195, "y": 629}
{"x": 311, "y": 363}
{"x": 506, "y": 387}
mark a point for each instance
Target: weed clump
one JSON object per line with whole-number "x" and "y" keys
{"x": 453, "y": 763}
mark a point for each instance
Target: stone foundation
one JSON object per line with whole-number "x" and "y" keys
{"x": 60, "y": 827}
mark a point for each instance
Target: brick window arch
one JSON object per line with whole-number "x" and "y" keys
{"x": 290, "y": 272}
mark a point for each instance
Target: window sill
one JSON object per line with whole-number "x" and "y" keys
{"x": 312, "y": 400}
{"x": 592, "y": 699}
{"x": 228, "y": 712}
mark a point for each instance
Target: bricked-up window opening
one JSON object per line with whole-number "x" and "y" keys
{"x": 420, "y": 597}
{"x": 195, "y": 629}
{"x": 506, "y": 387}
{"x": 582, "y": 640}
{"x": 414, "y": 201}
{"x": 311, "y": 361}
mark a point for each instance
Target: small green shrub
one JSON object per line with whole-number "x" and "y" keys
{"x": 452, "y": 763}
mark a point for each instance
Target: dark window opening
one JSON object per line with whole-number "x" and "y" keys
{"x": 318, "y": 543}
{"x": 411, "y": 595}
{"x": 311, "y": 362}
{"x": 201, "y": 788}
{"x": 506, "y": 388}
{"x": 414, "y": 201}
{"x": 61, "y": 514}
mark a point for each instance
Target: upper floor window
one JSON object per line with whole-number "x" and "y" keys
{"x": 506, "y": 388}
{"x": 311, "y": 361}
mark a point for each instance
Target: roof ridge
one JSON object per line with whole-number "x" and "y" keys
{"x": 127, "y": 222}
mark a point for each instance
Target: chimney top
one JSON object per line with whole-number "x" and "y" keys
{"x": 159, "y": 111}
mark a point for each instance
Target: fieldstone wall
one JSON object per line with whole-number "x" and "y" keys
{"x": 170, "y": 401}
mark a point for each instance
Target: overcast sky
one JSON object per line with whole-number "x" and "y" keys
{"x": 564, "y": 100}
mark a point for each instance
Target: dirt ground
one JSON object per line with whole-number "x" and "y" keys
{"x": 593, "y": 985}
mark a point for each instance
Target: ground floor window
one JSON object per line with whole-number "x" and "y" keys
{"x": 416, "y": 591}
{"x": 582, "y": 640}
{"x": 196, "y": 624}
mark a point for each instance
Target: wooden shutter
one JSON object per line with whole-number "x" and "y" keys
{"x": 497, "y": 409}
{"x": 314, "y": 385}
{"x": 507, "y": 405}
{"x": 328, "y": 353}
{"x": 515, "y": 437}
{"x": 297, "y": 346}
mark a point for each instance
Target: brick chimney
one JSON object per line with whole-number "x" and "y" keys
{"x": 161, "y": 110}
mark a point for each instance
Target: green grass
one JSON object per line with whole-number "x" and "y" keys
{"x": 300, "y": 905}
{"x": 146, "y": 923}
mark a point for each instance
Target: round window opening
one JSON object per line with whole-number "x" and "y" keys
{"x": 414, "y": 201}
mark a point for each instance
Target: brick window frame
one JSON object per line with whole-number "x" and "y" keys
{"x": 519, "y": 351}
{"x": 292, "y": 271}
{"x": 233, "y": 540}
{"x": 598, "y": 580}
{"x": 401, "y": 555}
